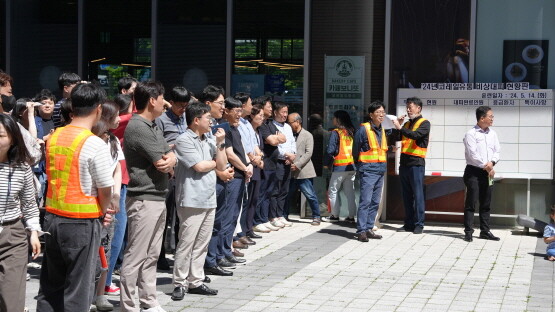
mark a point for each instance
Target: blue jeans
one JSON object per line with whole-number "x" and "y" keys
{"x": 306, "y": 187}
{"x": 215, "y": 248}
{"x": 267, "y": 186}
{"x": 412, "y": 187}
{"x": 371, "y": 185}
{"x": 551, "y": 252}
{"x": 249, "y": 207}
{"x": 119, "y": 233}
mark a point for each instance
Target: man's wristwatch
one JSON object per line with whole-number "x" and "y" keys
{"x": 221, "y": 145}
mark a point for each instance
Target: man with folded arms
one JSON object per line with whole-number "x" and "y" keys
{"x": 149, "y": 162}
{"x": 198, "y": 157}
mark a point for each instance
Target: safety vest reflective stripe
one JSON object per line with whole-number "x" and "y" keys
{"x": 345, "y": 155}
{"x": 409, "y": 146}
{"x": 376, "y": 153}
{"x": 64, "y": 196}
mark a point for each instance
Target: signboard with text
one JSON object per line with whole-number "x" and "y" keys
{"x": 344, "y": 87}
{"x": 523, "y": 121}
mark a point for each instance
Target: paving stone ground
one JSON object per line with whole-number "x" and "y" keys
{"x": 309, "y": 268}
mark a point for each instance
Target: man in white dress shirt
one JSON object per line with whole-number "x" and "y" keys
{"x": 287, "y": 151}
{"x": 482, "y": 154}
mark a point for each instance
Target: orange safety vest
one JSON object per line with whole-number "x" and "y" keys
{"x": 376, "y": 153}
{"x": 345, "y": 155}
{"x": 65, "y": 196}
{"x": 409, "y": 146}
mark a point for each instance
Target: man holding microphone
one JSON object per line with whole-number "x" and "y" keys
{"x": 414, "y": 136}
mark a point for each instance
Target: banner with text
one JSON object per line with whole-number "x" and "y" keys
{"x": 344, "y": 87}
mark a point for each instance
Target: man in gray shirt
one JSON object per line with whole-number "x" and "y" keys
{"x": 149, "y": 161}
{"x": 196, "y": 198}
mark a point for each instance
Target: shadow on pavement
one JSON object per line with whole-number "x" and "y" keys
{"x": 524, "y": 233}
{"x": 538, "y": 254}
{"x": 163, "y": 281}
{"x": 338, "y": 232}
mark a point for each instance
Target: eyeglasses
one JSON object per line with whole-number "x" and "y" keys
{"x": 379, "y": 112}
{"x": 236, "y": 110}
{"x": 221, "y": 103}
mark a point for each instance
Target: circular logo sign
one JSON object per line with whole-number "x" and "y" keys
{"x": 344, "y": 67}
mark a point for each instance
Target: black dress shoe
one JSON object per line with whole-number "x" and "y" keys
{"x": 488, "y": 235}
{"x": 468, "y": 237}
{"x": 370, "y": 234}
{"x": 224, "y": 263}
{"x": 217, "y": 270}
{"x": 232, "y": 259}
{"x": 206, "y": 279}
{"x": 203, "y": 290}
{"x": 178, "y": 293}
{"x": 418, "y": 230}
{"x": 405, "y": 228}
{"x": 254, "y": 235}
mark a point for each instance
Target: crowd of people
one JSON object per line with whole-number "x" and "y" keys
{"x": 122, "y": 179}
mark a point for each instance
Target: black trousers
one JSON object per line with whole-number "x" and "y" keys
{"x": 279, "y": 193}
{"x": 479, "y": 191}
{"x": 68, "y": 265}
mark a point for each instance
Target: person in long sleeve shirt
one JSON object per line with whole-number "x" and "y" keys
{"x": 414, "y": 136}
{"x": 371, "y": 165}
{"x": 482, "y": 149}
{"x": 286, "y": 156}
{"x": 340, "y": 160}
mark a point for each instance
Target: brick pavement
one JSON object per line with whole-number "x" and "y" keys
{"x": 308, "y": 268}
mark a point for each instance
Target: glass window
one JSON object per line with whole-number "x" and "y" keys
{"x": 118, "y": 41}
{"x": 192, "y": 43}
{"x": 512, "y": 42}
{"x": 43, "y": 44}
{"x": 297, "y": 49}
{"x": 246, "y": 49}
{"x": 274, "y": 49}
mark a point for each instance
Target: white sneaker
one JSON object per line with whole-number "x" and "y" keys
{"x": 261, "y": 228}
{"x": 34, "y": 265}
{"x": 153, "y": 309}
{"x": 284, "y": 221}
{"x": 269, "y": 226}
{"x": 102, "y": 304}
{"x": 277, "y": 223}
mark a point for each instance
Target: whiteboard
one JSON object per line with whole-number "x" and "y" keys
{"x": 523, "y": 122}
